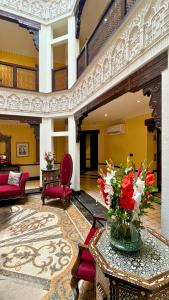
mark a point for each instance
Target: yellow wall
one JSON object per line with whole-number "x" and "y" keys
{"x": 18, "y": 59}
{"x": 136, "y": 140}
{"x": 20, "y": 133}
{"x": 60, "y": 147}
{"x": 60, "y": 125}
{"x": 60, "y": 143}
{"x": 152, "y": 149}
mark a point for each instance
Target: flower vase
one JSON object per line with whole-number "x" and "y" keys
{"x": 124, "y": 235}
{"x": 49, "y": 165}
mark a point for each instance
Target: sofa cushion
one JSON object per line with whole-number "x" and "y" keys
{"x": 9, "y": 190}
{"x": 14, "y": 178}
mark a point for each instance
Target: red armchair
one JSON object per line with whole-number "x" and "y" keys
{"x": 8, "y": 191}
{"x": 62, "y": 190}
{"x": 84, "y": 266}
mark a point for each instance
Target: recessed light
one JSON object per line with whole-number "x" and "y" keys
{"x": 105, "y": 115}
{"x": 138, "y": 101}
{"x": 105, "y": 19}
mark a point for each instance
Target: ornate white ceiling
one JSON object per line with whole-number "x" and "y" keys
{"x": 43, "y": 10}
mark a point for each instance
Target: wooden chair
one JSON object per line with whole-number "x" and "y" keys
{"x": 60, "y": 189}
{"x": 84, "y": 266}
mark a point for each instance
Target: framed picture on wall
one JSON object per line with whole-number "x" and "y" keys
{"x": 22, "y": 149}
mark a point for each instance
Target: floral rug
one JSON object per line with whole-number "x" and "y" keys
{"x": 38, "y": 247}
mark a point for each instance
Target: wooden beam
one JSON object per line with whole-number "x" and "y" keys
{"x": 22, "y": 119}
{"x": 78, "y": 13}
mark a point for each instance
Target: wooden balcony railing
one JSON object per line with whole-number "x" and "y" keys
{"x": 60, "y": 79}
{"x": 108, "y": 24}
{"x": 18, "y": 77}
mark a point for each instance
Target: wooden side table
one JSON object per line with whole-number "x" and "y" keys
{"x": 49, "y": 175}
{"x": 143, "y": 275}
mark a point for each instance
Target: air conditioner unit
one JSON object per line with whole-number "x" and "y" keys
{"x": 116, "y": 129}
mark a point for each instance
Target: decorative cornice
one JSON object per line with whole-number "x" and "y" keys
{"x": 42, "y": 10}
{"x": 143, "y": 35}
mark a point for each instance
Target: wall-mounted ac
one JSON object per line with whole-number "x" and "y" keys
{"x": 116, "y": 129}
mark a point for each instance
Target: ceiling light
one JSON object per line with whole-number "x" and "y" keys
{"x": 105, "y": 115}
{"x": 105, "y": 19}
{"x": 138, "y": 101}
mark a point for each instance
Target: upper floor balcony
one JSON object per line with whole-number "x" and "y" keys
{"x": 20, "y": 70}
{"x": 27, "y": 78}
{"x": 109, "y": 22}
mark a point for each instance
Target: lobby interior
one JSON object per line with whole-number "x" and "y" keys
{"x": 69, "y": 84}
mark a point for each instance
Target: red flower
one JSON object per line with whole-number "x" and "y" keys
{"x": 131, "y": 176}
{"x": 100, "y": 181}
{"x": 128, "y": 193}
{"x": 127, "y": 186}
{"x": 127, "y": 203}
{"x": 139, "y": 172}
{"x": 126, "y": 182}
{"x": 150, "y": 178}
{"x": 149, "y": 172}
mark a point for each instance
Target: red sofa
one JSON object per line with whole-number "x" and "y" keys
{"x": 8, "y": 191}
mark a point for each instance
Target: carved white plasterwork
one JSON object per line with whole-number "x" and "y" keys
{"x": 144, "y": 34}
{"x": 45, "y": 10}
{"x": 147, "y": 27}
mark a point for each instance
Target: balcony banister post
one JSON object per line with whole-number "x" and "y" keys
{"x": 37, "y": 79}
{"x": 14, "y": 76}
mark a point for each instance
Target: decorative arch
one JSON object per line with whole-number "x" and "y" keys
{"x": 147, "y": 78}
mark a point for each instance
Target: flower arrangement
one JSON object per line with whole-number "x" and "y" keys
{"x": 49, "y": 157}
{"x": 127, "y": 193}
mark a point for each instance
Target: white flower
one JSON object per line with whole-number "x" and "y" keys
{"x": 138, "y": 192}
{"x": 140, "y": 184}
{"x": 137, "y": 197}
{"x": 109, "y": 177}
{"x": 108, "y": 189}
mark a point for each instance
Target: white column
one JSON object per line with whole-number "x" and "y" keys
{"x": 45, "y": 59}
{"x": 46, "y": 141}
{"x": 165, "y": 154}
{"x": 73, "y": 51}
{"x": 74, "y": 151}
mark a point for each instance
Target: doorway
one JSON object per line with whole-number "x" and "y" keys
{"x": 89, "y": 150}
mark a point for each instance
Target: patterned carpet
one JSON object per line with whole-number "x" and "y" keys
{"x": 38, "y": 246}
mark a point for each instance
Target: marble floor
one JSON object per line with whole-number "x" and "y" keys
{"x": 152, "y": 218}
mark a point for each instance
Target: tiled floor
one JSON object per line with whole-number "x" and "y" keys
{"x": 89, "y": 185}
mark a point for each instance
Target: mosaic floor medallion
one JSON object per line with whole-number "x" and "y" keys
{"x": 38, "y": 246}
